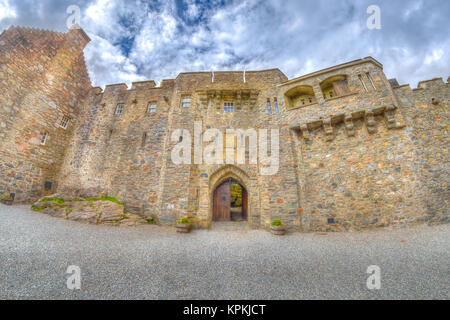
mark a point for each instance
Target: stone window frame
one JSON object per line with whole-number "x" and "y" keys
{"x": 328, "y": 87}
{"x": 152, "y": 107}
{"x": 119, "y": 109}
{"x": 228, "y": 106}
{"x": 44, "y": 138}
{"x": 293, "y": 95}
{"x": 369, "y": 76}
{"x": 275, "y": 102}
{"x": 363, "y": 84}
{"x": 144, "y": 140}
{"x": 269, "y": 107}
{"x": 186, "y": 101}
{"x": 64, "y": 123}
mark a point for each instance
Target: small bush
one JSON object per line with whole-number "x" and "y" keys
{"x": 277, "y": 223}
{"x": 183, "y": 220}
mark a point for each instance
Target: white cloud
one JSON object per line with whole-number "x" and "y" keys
{"x": 139, "y": 39}
{"x": 6, "y": 11}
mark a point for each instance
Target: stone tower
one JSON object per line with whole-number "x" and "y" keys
{"x": 43, "y": 80}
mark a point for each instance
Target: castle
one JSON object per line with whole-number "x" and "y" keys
{"x": 356, "y": 150}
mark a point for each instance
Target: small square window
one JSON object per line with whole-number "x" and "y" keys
{"x": 119, "y": 109}
{"x": 48, "y": 185}
{"x": 151, "y": 108}
{"x": 64, "y": 122}
{"x": 228, "y": 107}
{"x": 44, "y": 137}
{"x": 186, "y": 102}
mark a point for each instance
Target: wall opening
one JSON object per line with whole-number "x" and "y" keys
{"x": 300, "y": 96}
{"x": 230, "y": 202}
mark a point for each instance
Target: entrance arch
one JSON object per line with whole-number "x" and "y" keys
{"x": 235, "y": 173}
{"x": 230, "y": 201}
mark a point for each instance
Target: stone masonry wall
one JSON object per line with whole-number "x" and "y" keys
{"x": 42, "y": 78}
{"x": 426, "y": 111}
{"x": 374, "y": 156}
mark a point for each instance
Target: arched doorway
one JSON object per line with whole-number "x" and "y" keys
{"x": 230, "y": 201}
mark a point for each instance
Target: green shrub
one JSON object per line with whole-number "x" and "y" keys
{"x": 277, "y": 223}
{"x": 183, "y": 220}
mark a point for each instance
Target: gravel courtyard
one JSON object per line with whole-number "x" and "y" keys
{"x": 151, "y": 262}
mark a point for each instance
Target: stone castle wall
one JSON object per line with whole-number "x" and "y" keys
{"x": 42, "y": 78}
{"x": 374, "y": 156}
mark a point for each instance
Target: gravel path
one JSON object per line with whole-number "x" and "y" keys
{"x": 151, "y": 262}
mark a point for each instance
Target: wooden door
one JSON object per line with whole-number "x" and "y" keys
{"x": 222, "y": 203}
{"x": 244, "y": 203}
{"x": 341, "y": 88}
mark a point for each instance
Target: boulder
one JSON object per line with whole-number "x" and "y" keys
{"x": 88, "y": 211}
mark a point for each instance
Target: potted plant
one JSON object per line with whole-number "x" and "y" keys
{"x": 277, "y": 227}
{"x": 183, "y": 225}
{"x": 8, "y": 200}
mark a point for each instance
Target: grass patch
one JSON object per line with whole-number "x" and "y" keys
{"x": 105, "y": 198}
{"x": 58, "y": 200}
{"x": 34, "y": 208}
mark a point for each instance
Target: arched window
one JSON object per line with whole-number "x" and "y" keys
{"x": 300, "y": 96}
{"x": 335, "y": 86}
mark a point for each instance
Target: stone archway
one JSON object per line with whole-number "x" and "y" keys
{"x": 230, "y": 201}
{"x": 232, "y": 172}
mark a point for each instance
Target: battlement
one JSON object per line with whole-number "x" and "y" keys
{"x": 150, "y": 84}
{"x": 425, "y": 84}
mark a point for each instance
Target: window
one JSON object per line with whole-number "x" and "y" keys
{"x": 298, "y": 97}
{"x": 335, "y": 86}
{"x": 362, "y": 83}
{"x": 64, "y": 122}
{"x": 276, "y": 105}
{"x": 144, "y": 139}
{"x": 151, "y": 107}
{"x": 269, "y": 109}
{"x": 119, "y": 109}
{"x": 228, "y": 107}
{"x": 186, "y": 102}
{"x": 44, "y": 137}
{"x": 370, "y": 80}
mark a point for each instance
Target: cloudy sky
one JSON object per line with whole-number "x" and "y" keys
{"x": 139, "y": 40}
